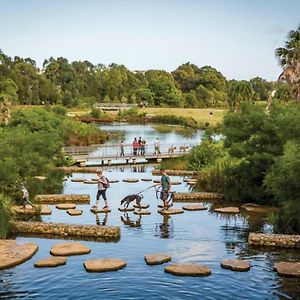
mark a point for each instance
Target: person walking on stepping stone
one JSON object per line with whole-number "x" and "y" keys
{"x": 165, "y": 183}
{"x": 102, "y": 185}
{"x": 25, "y": 195}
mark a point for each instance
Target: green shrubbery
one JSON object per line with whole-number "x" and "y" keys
{"x": 5, "y": 215}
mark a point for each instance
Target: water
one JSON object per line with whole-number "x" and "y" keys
{"x": 196, "y": 237}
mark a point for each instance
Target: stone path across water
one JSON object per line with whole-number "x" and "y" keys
{"x": 104, "y": 264}
{"x": 188, "y": 270}
{"x": 66, "y": 249}
{"x": 52, "y": 261}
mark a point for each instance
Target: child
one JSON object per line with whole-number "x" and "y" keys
{"x": 102, "y": 183}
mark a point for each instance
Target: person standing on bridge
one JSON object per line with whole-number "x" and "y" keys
{"x": 135, "y": 146}
{"x": 157, "y": 146}
{"x": 122, "y": 148}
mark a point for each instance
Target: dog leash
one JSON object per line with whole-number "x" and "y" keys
{"x": 146, "y": 189}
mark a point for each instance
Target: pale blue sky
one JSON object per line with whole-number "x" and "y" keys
{"x": 238, "y": 37}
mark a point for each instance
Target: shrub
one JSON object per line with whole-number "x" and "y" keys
{"x": 5, "y": 215}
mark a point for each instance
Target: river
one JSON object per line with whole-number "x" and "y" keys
{"x": 201, "y": 237}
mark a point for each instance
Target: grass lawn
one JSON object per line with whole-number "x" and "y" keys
{"x": 199, "y": 114}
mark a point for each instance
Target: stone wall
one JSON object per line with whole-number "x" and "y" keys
{"x": 196, "y": 197}
{"x": 274, "y": 240}
{"x": 60, "y": 198}
{"x": 108, "y": 233}
{"x": 175, "y": 172}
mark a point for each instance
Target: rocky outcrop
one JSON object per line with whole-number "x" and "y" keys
{"x": 197, "y": 197}
{"x": 274, "y": 240}
{"x": 13, "y": 253}
{"x": 60, "y": 198}
{"x": 188, "y": 270}
{"x": 104, "y": 264}
{"x": 109, "y": 233}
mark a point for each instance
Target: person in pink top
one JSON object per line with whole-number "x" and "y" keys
{"x": 135, "y": 146}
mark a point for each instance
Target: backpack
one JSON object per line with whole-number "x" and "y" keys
{"x": 107, "y": 184}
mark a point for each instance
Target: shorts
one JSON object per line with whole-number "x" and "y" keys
{"x": 101, "y": 193}
{"x": 164, "y": 195}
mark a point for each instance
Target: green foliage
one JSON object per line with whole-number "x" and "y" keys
{"x": 175, "y": 120}
{"x": 283, "y": 92}
{"x": 179, "y": 163}
{"x": 262, "y": 88}
{"x": 5, "y": 215}
{"x": 132, "y": 115}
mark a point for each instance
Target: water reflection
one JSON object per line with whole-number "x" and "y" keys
{"x": 131, "y": 223}
{"x": 98, "y": 220}
{"x": 165, "y": 230}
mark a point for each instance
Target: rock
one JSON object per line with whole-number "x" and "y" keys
{"x": 175, "y": 182}
{"x": 113, "y": 180}
{"x": 194, "y": 207}
{"x": 228, "y": 210}
{"x": 144, "y": 206}
{"x": 256, "y": 208}
{"x": 146, "y": 179}
{"x": 131, "y": 180}
{"x": 171, "y": 211}
{"x": 66, "y": 249}
{"x": 126, "y": 209}
{"x": 74, "y": 212}
{"x": 66, "y": 206}
{"x": 90, "y": 182}
{"x": 188, "y": 270}
{"x": 291, "y": 269}
{"x": 28, "y": 210}
{"x": 142, "y": 212}
{"x": 156, "y": 181}
{"x": 236, "y": 265}
{"x": 46, "y": 210}
{"x": 51, "y": 262}
{"x": 78, "y": 179}
{"x": 13, "y": 253}
{"x": 157, "y": 259}
{"x": 104, "y": 265}
{"x": 100, "y": 210}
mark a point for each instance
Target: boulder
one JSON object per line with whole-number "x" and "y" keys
{"x": 228, "y": 210}
{"x": 142, "y": 212}
{"x": 194, "y": 207}
{"x": 66, "y": 206}
{"x": 74, "y": 212}
{"x": 288, "y": 269}
{"x": 188, "y": 270}
{"x": 52, "y": 261}
{"x": 157, "y": 259}
{"x": 126, "y": 209}
{"x": 104, "y": 264}
{"x": 171, "y": 211}
{"x": 144, "y": 206}
{"x": 13, "y": 253}
{"x": 131, "y": 180}
{"x": 236, "y": 265}
{"x": 67, "y": 249}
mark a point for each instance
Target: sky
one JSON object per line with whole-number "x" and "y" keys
{"x": 237, "y": 37}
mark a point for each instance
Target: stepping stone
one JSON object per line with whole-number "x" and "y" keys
{"x": 236, "y": 265}
{"x": 13, "y": 253}
{"x": 256, "y": 208}
{"x": 46, "y": 210}
{"x": 131, "y": 180}
{"x": 126, "y": 209}
{"x": 90, "y": 182}
{"x": 194, "y": 207}
{"x": 171, "y": 211}
{"x": 66, "y": 206}
{"x": 188, "y": 270}
{"x": 160, "y": 206}
{"x": 66, "y": 249}
{"x": 42, "y": 178}
{"x": 157, "y": 259}
{"x": 104, "y": 264}
{"x": 78, "y": 179}
{"x": 192, "y": 182}
{"x": 52, "y": 261}
{"x": 94, "y": 179}
{"x": 291, "y": 269}
{"x": 156, "y": 181}
{"x": 143, "y": 206}
{"x": 175, "y": 182}
{"x": 113, "y": 180}
{"x": 74, "y": 212}
{"x": 142, "y": 212}
{"x": 146, "y": 179}
{"x": 28, "y": 210}
{"x": 100, "y": 210}
{"x": 228, "y": 210}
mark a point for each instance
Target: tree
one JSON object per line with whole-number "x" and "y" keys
{"x": 289, "y": 59}
{"x": 262, "y": 88}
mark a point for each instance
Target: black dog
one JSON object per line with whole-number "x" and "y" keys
{"x": 126, "y": 201}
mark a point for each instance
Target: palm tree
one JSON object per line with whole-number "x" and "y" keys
{"x": 289, "y": 59}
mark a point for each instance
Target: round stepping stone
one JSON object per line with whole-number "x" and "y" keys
{"x": 100, "y": 210}
{"x": 90, "y": 182}
{"x": 171, "y": 211}
{"x": 78, "y": 179}
{"x": 291, "y": 269}
{"x": 146, "y": 179}
{"x": 126, "y": 209}
{"x": 256, "y": 208}
{"x": 94, "y": 179}
{"x": 104, "y": 264}
{"x": 131, "y": 180}
{"x": 142, "y": 212}
{"x": 66, "y": 206}
{"x": 74, "y": 212}
{"x": 51, "y": 262}
{"x": 143, "y": 206}
{"x": 194, "y": 207}
{"x": 46, "y": 210}
{"x": 228, "y": 210}
{"x": 67, "y": 249}
{"x": 13, "y": 253}
{"x": 156, "y": 181}
{"x": 192, "y": 182}
{"x": 236, "y": 265}
{"x": 188, "y": 270}
{"x": 157, "y": 259}
{"x": 113, "y": 180}
{"x": 175, "y": 182}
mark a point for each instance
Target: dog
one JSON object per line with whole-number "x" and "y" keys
{"x": 183, "y": 148}
{"x": 130, "y": 198}
{"x": 171, "y": 150}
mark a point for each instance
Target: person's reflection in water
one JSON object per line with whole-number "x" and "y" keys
{"x": 165, "y": 229}
{"x": 134, "y": 169}
{"x": 142, "y": 169}
{"x": 103, "y": 223}
{"x": 127, "y": 221}
{"x": 122, "y": 169}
